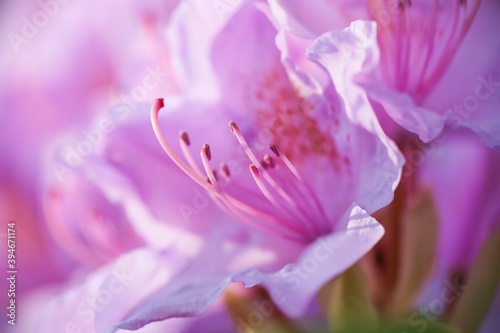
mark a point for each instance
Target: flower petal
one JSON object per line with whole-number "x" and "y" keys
{"x": 295, "y": 285}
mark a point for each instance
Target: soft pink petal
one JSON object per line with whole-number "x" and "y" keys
{"x": 311, "y": 19}
{"x": 296, "y": 285}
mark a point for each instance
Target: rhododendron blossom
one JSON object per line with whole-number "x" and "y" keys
{"x": 430, "y": 54}
{"x": 252, "y": 166}
{"x": 281, "y": 194}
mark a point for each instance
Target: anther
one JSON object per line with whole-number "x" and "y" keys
{"x": 206, "y": 150}
{"x": 269, "y": 161}
{"x": 254, "y": 169}
{"x": 234, "y": 128}
{"x": 224, "y": 169}
{"x": 270, "y": 223}
{"x": 158, "y": 104}
{"x": 185, "y": 137}
{"x": 274, "y": 149}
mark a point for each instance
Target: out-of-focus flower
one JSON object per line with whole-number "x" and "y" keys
{"x": 86, "y": 224}
{"x": 60, "y": 65}
{"x": 439, "y": 261}
{"x": 114, "y": 289}
{"x": 426, "y": 60}
{"x": 280, "y": 201}
{"x": 476, "y": 219}
{"x": 54, "y": 89}
{"x": 469, "y": 211}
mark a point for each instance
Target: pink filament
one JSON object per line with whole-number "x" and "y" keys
{"x": 234, "y": 205}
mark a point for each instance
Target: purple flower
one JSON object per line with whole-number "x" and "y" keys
{"x": 113, "y": 289}
{"x": 468, "y": 209}
{"x": 268, "y": 156}
{"x": 59, "y": 65}
{"x": 318, "y": 162}
{"x": 461, "y": 173}
{"x": 422, "y": 49}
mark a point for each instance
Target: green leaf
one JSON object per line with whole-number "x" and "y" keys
{"x": 419, "y": 234}
{"x": 484, "y": 277}
{"x": 254, "y": 312}
{"x": 428, "y": 327}
{"x": 349, "y": 305}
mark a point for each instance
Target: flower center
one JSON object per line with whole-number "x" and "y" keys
{"x": 289, "y": 119}
{"x": 285, "y": 204}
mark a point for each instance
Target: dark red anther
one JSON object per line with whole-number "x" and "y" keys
{"x": 274, "y": 149}
{"x": 269, "y": 161}
{"x": 224, "y": 169}
{"x": 207, "y": 152}
{"x": 185, "y": 137}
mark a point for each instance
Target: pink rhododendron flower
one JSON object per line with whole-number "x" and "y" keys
{"x": 468, "y": 209}
{"x": 297, "y": 218}
{"x": 113, "y": 289}
{"x": 461, "y": 173}
{"x": 86, "y": 225}
{"x": 55, "y": 79}
{"x": 229, "y": 165}
{"x": 429, "y": 55}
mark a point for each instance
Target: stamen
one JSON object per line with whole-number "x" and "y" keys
{"x": 184, "y": 143}
{"x": 224, "y": 170}
{"x": 270, "y": 197}
{"x": 430, "y": 47}
{"x": 458, "y": 30}
{"x": 261, "y": 185}
{"x": 274, "y": 149}
{"x": 269, "y": 161}
{"x": 293, "y": 221}
{"x": 205, "y": 151}
{"x": 205, "y": 158}
{"x": 185, "y": 138}
{"x": 205, "y": 182}
{"x": 405, "y": 73}
{"x": 157, "y": 106}
{"x": 277, "y": 151}
{"x": 236, "y": 132}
